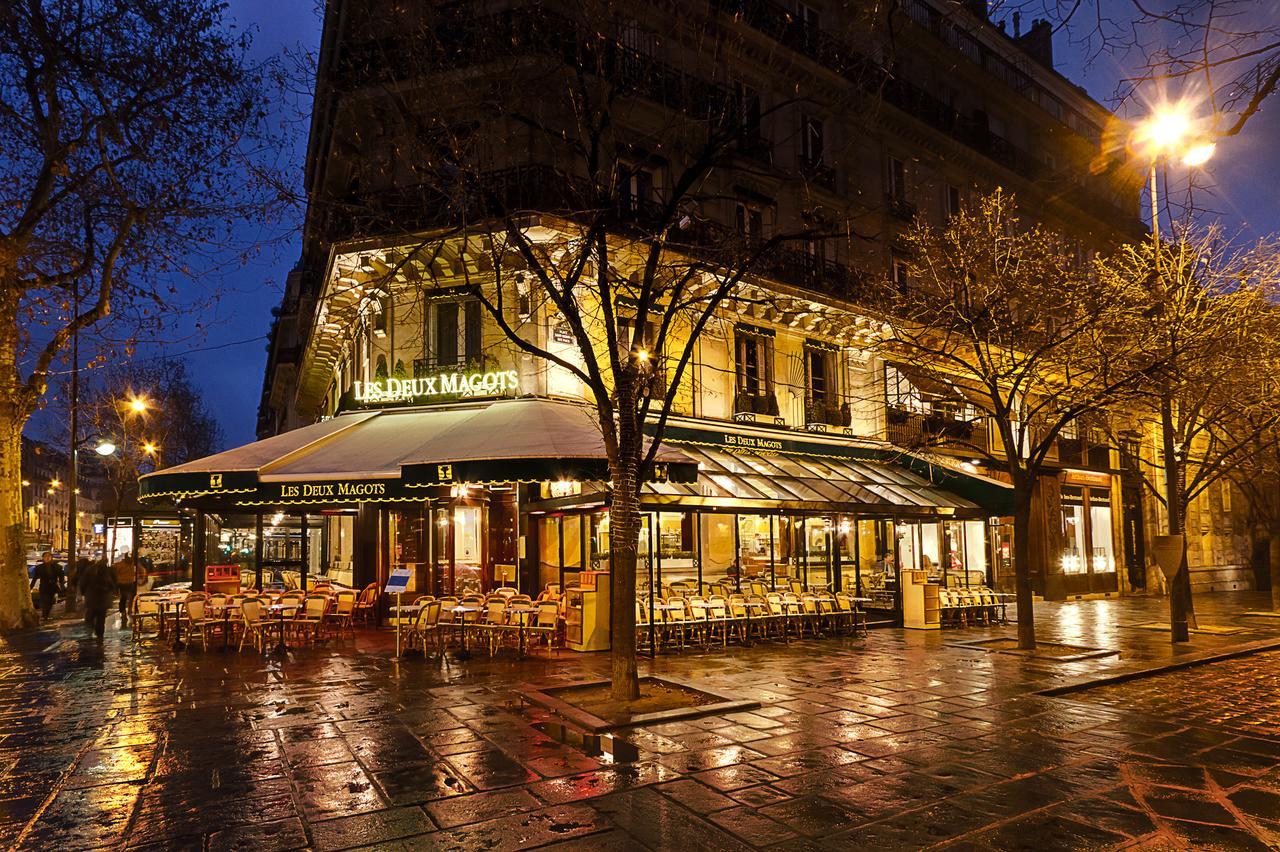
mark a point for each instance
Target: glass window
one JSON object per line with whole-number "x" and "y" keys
{"x": 717, "y": 547}
{"x": 1101, "y": 554}
{"x": 1073, "y": 532}
{"x": 755, "y": 365}
{"x": 931, "y": 549}
{"x": 446, "y": 354}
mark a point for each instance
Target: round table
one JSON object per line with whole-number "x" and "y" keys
{"x": 521, "y": 610}
{"x": 462, "y": 610}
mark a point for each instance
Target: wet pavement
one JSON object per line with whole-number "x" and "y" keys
{"x": 901, "y": 740}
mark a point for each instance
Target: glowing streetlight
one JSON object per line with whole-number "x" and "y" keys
{"x": 1198, "y": 155}
{"x": 138, "y": 404}
{"x": 105, "y": 448}
{"x": 55, "y": 483}
{"x": 150, "y": 448}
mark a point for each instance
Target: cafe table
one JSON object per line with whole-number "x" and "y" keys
{"x": 279, "y": 609}
{"x": 174, "y": 604}
{"x": 521, "y": 611}
{"x": 460, "y": 623}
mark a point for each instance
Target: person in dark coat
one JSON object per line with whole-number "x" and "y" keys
{"x": 97, "y": 582}
{"x": 51, "y": 580}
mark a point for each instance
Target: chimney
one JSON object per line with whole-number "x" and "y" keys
{"x": 1038, "y": 41}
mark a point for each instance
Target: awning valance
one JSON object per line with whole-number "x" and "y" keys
{"x": 392, "y": 455}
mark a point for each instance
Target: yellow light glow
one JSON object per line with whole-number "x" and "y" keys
{"x": 26, "y": 482}
{"x": 1167, "y": 127}
{"x": 150, "y": 448}
{"x": 138, "y": 404}
{"x": 1198, "y": 155}
{"x": 55, "y": 483}
{"x": 642, "y": 355}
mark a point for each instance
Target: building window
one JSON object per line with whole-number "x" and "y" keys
{"x": 754, "y": 349}
{"x": 901, "y": 394}
{"x": 746, "y": 105}
{"x": 454, "y": 334}
{"x": 749, "y": 221}
{"x": 811, "y": 142}
{"x": 900, "y": 274}
{"x": 637, "y": 190}
{"x": 822, "y": 384}
{"x": 953, "y": 201}
{"x": 897, "y": 180}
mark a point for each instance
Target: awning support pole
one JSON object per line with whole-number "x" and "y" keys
{"x": 257, "y": 551}
{"x": 198, "y": 553}
{"x": 306, "y": 554}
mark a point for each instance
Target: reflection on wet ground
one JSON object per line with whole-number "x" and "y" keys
{"x": 900, "y": 740}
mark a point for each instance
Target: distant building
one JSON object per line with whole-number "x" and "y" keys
{"x": 45, "y": 500}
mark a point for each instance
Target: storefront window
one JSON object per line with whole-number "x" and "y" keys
{"x": 1073, "y": 531}
{"x": 408, "y": 540}
{"x": 717, "y": 548}
{"x": 676, "y": 549}
{"x": 817, "y": 555}
{"x": 1102, "y": 553}
{"x": 931, "y": 550}
{"x": 754, "y": 552}
{"x": 975, "y": 552}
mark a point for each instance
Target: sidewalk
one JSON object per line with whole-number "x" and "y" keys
{"x": 901, "y": 740}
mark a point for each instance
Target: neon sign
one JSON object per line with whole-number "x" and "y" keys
{"x": 447, "y": 384}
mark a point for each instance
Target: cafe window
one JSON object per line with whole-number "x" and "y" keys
{"x": 754, "y": 362}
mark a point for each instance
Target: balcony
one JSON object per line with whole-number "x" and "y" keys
{"x": 818, "y": 173}
{"x": 899, "y": 208}
{"x": 819, "y": 414}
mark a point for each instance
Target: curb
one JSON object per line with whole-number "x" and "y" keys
{"x": 1137, "y": 674}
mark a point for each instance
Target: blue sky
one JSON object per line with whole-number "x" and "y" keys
{"x": 229, "y": 371}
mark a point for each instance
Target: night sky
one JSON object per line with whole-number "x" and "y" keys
{"x": 1246, "y": 184}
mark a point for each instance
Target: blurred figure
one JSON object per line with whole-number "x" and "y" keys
{"x": 51, "y": 580}
{"x": 127, "y": 574}
{"x": 97, "y": 582}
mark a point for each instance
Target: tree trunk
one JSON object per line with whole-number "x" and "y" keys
{"x": 1180, "y": 604}
{"x": 1024, "y": 603}
{"x": 1273, "y": 558}
{"x": 624, "y": 540}
{"x": 16, "y": 609}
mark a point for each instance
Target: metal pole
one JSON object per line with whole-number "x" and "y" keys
{"x": 1155, "y": 209}
{"x": 653, "y": 647}
{"x": 257, "y": 550}
{"x": 72, "y": 504}
{"x": 305, "y": 552}
{"x": 773, "y": 557}
{"x": 737, "y": 555}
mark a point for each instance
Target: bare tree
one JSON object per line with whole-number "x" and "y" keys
{"x": 1224, "y": 51}
{"x": 125, "y": 126}
{"x": 1025, "y": 337}
{"x": 1207, "y": 365}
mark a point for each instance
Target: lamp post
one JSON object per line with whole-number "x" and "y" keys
{"x": 1171, "y": 132}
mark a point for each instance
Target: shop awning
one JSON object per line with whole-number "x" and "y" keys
{"x": 393, "y": 454}
{"x": 778, "y": 472}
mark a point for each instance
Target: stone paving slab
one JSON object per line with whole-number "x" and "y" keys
{"x": 898, "y": 740}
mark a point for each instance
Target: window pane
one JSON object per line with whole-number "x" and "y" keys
{"x": 446, "y": 334}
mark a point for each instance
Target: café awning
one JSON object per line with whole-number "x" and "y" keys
{"x": 392, "y": 455}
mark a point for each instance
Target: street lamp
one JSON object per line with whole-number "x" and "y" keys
{"x": 138, "y": 404}
{"x": 105, "y": 448}
{"x": 1170, "y": 132}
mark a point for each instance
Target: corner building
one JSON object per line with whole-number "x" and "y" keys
{"x": 401, "y": 428}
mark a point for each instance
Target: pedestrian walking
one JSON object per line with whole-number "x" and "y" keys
{"x": 128, "y": 574}
{"x": 97, "y": 582}
{"x": 50, "y": 578}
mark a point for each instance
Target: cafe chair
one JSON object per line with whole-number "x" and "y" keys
{"x": 367, "y": 605}
{"x": 197, "y": 621}
{"x": 253, "y": 628}
{"x": 427, "y": 626}
{"x": 546, "y": 626}
{"x": 344, "y": 613}
{"x": 309, "y": 623}
{"x": 146, "y": 607}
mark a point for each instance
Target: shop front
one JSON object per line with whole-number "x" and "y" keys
{"x": 438, "y": 491}
{"x": 772, "y": 512}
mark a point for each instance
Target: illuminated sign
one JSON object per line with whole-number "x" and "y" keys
{"x": 446, "y": 384}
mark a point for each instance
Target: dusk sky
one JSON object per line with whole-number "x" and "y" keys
{"x": 229, "y": 366}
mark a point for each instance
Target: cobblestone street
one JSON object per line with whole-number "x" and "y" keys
{"x": 901, "y": 740}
